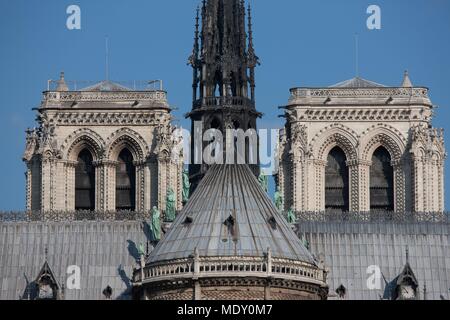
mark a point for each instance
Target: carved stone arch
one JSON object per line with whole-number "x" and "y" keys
{"x": 419, "y": 153}
{"x": 80, "y": 140}
{"x": 382, "y": 136}
{"x": 164, "y": 154}
{"x": 127, "y": 138}
{"x": 335, "y": 136}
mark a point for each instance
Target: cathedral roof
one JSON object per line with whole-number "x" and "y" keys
{"x": 357, "y": 82}
{"x": 229, "y": 215}
{"x": 106, "y": 86}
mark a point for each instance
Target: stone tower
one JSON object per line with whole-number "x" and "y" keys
{"x": 103, "y": 148}
{"x": 360, "y": 146}
{"x": 223, "y": 62}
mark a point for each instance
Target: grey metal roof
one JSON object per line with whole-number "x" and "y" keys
{"x": 357, "y": 82}
{"x": 105, "y": 252}
{"x": 230, "y": 190}
{"x": 349, "y": 248}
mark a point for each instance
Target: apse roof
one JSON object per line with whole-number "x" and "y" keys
{"x": 205, "y": 223}
{"x": 357, "y": 82}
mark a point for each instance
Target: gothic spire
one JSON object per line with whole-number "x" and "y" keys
{"x": 194, "y": 58}
{"x": 223, "y": 76}
{"x": 224, "y": 61}
{"x": 253, "y": 60}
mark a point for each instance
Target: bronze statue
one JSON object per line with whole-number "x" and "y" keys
{"x": 264, "y": 182}
{"x": 290, "y": 217}
{"x": 186, "y": 186}
{"x": 170, "y": 205}
{"x": 155, "y": 224}
{"x": 278, "y": 198}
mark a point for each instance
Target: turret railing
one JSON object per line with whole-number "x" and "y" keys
{"x": 69, "y": 216}
{"x": 104, "y": 96}
{"x": 299, "y": 93}
{"x": 375, "y": 216}
{"x": 331, "y": 216}
{"x": 216, "y": 267}
{"x": 210, "y": 102}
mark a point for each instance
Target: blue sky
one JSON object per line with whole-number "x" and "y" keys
{"x": 300, "y": 43}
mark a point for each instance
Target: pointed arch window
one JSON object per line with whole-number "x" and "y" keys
{"x": 336, "y": 182}
{"x": 381, "y": 181}
{"x": 125, "y": 182}
{"x": 85, "y": 182}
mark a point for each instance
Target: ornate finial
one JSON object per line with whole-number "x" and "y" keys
{"x": 250, "y": 27}
{"x": 62, "y": 86}
{"x": 406, "y": 80}
{"x": 46, "y": 253}
{"x": 196, "y": 253}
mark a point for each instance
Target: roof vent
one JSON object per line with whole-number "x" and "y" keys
{"x": 107, "y": 292}
{"x": 341, "y": 292}
{"x": 188, "y": 220}
{"x": 230, "y": 221}
{"x": 273, "y": 222}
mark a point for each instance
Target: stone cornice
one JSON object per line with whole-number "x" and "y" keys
{"x": 104, "y": 96}
{"x": 419, "y": 92}
{"x": 108, "y": 117}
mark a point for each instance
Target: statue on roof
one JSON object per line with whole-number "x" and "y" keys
{"x": 186, "y": 186}
{"x": 170, "y": 206}
{"x": 278, "y": 199}
{"x": 141, "y": 250}
{"x": 290, "y": 217}
{"x": 155, "y": 225}
{"x": 264, "y": 182}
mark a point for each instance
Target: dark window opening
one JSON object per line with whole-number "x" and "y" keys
{"x": 125, "y": 182}
{"x": 336, "y": 182}
{"x": 381, "y": 182}
{"x": 85, "y": 182}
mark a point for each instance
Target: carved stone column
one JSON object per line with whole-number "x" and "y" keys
{"x": 320, "y": 185}
{"x": 417, "y": 183}
{"x": 354, "y": 192}
{"x": 29, "y": 185}
{"x": 47, "y": 183}
{"x": 140, "y": 185}
{"x": 295, "y": 199}
{"x": 359, "y": 171}
{"x": 106, "y": 185}
{"x": 163, "y": 163}
{"x": 399, "y": 186}
{"x": 441, "y": 191}
{"x": 59, "y": 186}
{"x": 70, "y": 185}
{"x": 299, "y": 184}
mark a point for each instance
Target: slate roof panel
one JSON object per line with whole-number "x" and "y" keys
{"x": 236, "y": 192}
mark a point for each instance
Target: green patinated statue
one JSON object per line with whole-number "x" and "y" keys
{"x": 186, "y": 186}
{"x": 291, "y": 218}
{"x": 141, "y": 249}
{"x": 264, "y": 182}
{"x": 155, "y": 225}
{"x": 170, "y": 205}
{"x": 305, "y": 243}
{"x": 278, "y": 199}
